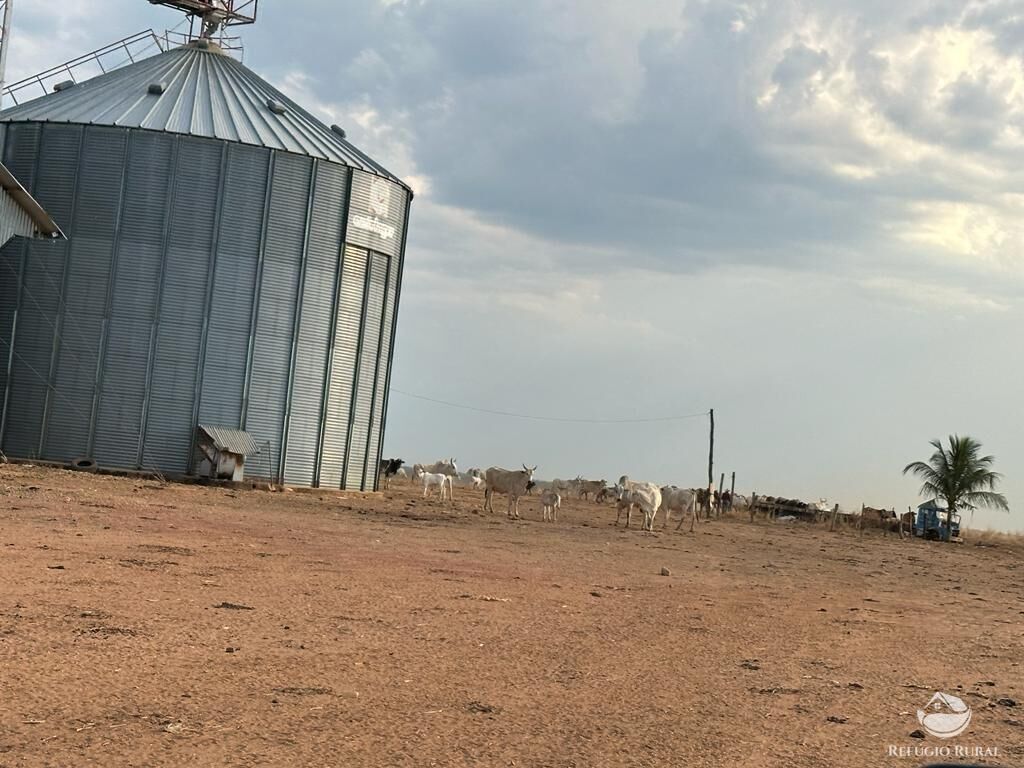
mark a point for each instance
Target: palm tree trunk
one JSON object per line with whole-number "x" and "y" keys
{"x": 950, "y": 504}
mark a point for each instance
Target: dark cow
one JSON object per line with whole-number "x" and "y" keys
{"x": 389, "y": 468}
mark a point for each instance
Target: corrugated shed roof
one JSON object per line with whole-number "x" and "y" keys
{"x": 20, "y": 214}
{"x": 198, "y": 92}
{"x": 233, "y": 440}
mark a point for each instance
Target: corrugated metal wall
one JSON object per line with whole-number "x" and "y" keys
{"x": 203, "y": 281}
{"x": 34, "y": 341}
{"x": 383, "y": 362}
{"x": 317, "y": 314}
{"x": 133, "y": 293}
{"x": 234, "y": 286}
{"x": 85, "y": 291}
{"x": 181, "y": 308}
{"x": 279, "y": 294}
{"x": 338, "y": 419}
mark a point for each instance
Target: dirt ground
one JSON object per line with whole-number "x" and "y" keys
{"x": 152, "y": 625}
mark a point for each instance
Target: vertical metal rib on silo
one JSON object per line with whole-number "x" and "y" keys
{"x": 316, "y": 324}
{"x": 61, "y": 150}
{"x": 93, "y": 232}
{"x": 211, "y": 271}
{"x": 369, "y": 349}
{"x": 348, "y": 350}
{"x": 27, "y": 384}
{"x": 255, "y": 304}
{"x": 226, "y": 362}
{"x": 147, "y": 397}
{"x": 372, "y": 433}
{"x": 330, "y": 454}
{"x": 10, "y": 292}
{"x": 394, "y": 328}
{"x": 11, "y": 266}
{"x": 279, "y": 286}
{"x": 133, "y": 295}
{"x": 176, "y": 359}
{"x": 102, "y": 281}
{"x": 303, "y": 473}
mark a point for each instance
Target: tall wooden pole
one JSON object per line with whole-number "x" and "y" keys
{"x": 711, "y": 459}
{"x": 711, "y": 450}
{"x": 721, "y": 490}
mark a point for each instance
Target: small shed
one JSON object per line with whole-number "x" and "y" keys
{"x": 223, "y": 451}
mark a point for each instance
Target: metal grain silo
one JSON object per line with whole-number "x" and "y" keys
{"x": 230, "y": 261}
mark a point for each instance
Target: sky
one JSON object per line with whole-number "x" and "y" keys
{"x": 806, "y": 215}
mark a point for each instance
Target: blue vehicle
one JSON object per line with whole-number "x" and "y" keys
{"x": 930, "y": 522}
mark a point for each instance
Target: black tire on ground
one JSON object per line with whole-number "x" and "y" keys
{"x": 84, "y": 464}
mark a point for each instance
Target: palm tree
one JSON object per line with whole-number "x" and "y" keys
{"x": 961, "y": 476}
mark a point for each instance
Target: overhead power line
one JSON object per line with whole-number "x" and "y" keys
{"x": 559, "y": 419}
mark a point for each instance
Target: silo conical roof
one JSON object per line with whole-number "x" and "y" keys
{"x": 197, "y": 90}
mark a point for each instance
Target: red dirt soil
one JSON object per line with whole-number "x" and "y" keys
{"x": 167, "y": 625}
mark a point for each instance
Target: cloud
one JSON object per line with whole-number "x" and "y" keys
{"x": 682, "y": 135}
{"x": 934, "y": 298}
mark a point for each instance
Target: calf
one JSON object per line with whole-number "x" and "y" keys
{"x": 513, "y": 482}
{"x": 442, "y": 467}
{"x": 430, "y": 479}
{"x": 588, "y": 487}
{"x": 551, "y": 502}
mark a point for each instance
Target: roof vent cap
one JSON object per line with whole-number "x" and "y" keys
{"x": 155, "y": 89}
{"x": 63, "y": 85}
{"x": 338, "y": 130}
{"x": 276, "y": 107}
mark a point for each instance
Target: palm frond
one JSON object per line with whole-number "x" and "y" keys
{"x": 959, "y": 474}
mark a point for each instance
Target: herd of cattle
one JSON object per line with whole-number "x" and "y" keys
{"x": 649, "y": 498}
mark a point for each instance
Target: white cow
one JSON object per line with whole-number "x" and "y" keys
{"x": 402, "y": 473}
{"x": 512, "y": 482}
{"x": 551, "y": 502}
{"x": 647, "y": 496}
{"x": 587, "y": 487}
{"x": 682, "y": 499}
{"x": 560, "y": 486}
{"x": 442, "y": 467}
{"x": 430, "y": 479}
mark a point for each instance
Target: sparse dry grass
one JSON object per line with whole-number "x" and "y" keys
{"x": 1013, "y": 542}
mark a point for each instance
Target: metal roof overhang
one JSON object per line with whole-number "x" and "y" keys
{"x": 42, "y": 221}
{"x": 232, "y": 440}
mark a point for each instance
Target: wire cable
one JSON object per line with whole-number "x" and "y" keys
{"x": 557, "y": 419}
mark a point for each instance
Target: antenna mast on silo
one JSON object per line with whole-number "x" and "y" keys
{"x": 7, "y": 7}
{"x": 208, "y": 17}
